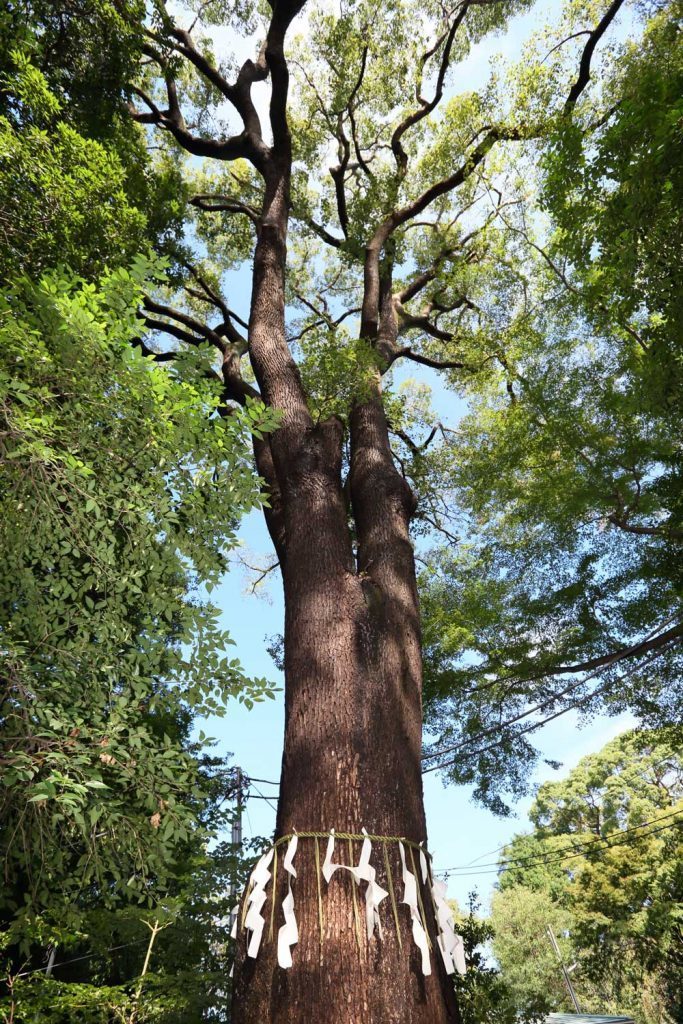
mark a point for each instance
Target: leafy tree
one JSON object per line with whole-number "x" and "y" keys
{"x": 77, "y": 185}
{"x": 603, "y": 866}
{"x": 111, "y": 473}
{"x": 519, "y": 921}
{"x": 565, "y": 591}
{"x": 484, "y": 996}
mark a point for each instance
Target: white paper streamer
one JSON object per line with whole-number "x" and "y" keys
{"x": 374, "y": 894}
{"x": 288, "y": 934}
{"x": 363, "y": 871}
{"x": 450, "y": 944}
{"x": 233, "y": 933}
{"x": 328, "y": 868}
{"x": 423, "y": 865}
{"x": 254, "y": 921}
{"x": 410, "y": 898}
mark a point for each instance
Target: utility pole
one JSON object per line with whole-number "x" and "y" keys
{"x": 565, "y": 972}
{"x": 241, "y": 782}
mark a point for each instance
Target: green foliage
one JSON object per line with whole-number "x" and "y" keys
{"x": 565, "y": 475}
{"x": 484, "y": 995}
{"x": 615, "y": 200}
{"x": 615, "y": 904}
{"x": 85, "y": 49}
{"x": 121, "y": 490}
{"x": 62, "y": 196}
{"x": 519, "y": 921}
{"x": 77, "y": 184}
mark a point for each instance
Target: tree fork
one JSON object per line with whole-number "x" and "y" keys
{"x": 352, "y": 692}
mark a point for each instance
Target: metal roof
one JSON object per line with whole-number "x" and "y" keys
{"x": 586, "y": 1018}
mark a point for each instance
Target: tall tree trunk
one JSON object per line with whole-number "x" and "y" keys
{"x": 352, "y": 669}
{"x": 352, "y": 698}
{"x": 352, "y": 745}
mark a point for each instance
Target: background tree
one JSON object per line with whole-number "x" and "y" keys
{"x": 121, "y": 488}
{"x": 603, "y": 865}
{"x": 484, "y": 995}
{"x": 564, "y": 592}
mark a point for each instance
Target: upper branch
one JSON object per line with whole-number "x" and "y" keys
{"x": 416, "y": 357}
{"x": 427, "y": 106}
{"x": 651, "y": 643}
{"x": 586, "y": 57}
{"x": 440, "y": 188}
{"x": 239, "y": 93}
{"x": 284, "y": 12}
{"x": 225, "y": 204}
{"x": 202, "y": 332}
{"x": 236, "y": 147}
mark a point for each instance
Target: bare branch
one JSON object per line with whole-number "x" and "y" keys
{"x": 585, "y": 64}
{"x": 351, "y": 106}
{"x": 225, "y": 204}
{"x": 407, "y": 439}
{"x": 651, "y": 643}
{"x": 318, "y": 229}
{"x": 435, "y": 364}
{"x": 284, "y": 12}
{"x": 426, "y": 107}
{"x": 174, "y": 331}
{"x": 557, "y": 46}
{"x": 248, "y": 145}
{"x": 622, "y": 523}
{"x": 324, "y": 320}
{"x": 204, "y": 332}
{"x": 150, "y": 353}
{"x": 239, "y": 94}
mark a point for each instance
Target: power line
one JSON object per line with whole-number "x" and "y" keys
{"x": 77, "y": 959}
{"x": 557, "y": 860}
{"x": 535, "y": 725}
{"x": 587, "y": 842}
{"x": 262, "y": 797}
{"x": 558, "y": 835}
{"x": 265, "y": 782}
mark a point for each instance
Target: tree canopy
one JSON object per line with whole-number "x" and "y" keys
{"x": 121, "y": 489}
{"x": 602, "y": 868}
{"x": 564, "y": 591}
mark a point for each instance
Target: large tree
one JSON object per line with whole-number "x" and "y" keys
{"x": 602, "y": 865}
{"x": 565, "y": 590}
{"x": 392, "y": 185}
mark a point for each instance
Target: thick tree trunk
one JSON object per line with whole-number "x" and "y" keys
{"x": 352, "y": 741}
{"x": 352, "y": 679}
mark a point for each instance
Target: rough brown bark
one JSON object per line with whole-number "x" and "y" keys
{"x": 352, "y": 628}
{"x": 352, "y": 739}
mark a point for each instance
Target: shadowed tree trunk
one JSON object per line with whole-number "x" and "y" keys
{"x": 352, "y": 627}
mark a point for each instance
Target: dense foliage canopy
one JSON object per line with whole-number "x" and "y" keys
{"x": 603, "y": 869}
{"x": 565, "y": 475}
{"x": 121, "y": 487}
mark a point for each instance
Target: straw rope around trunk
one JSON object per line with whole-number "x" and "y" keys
{"x": 450, "y": 944}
